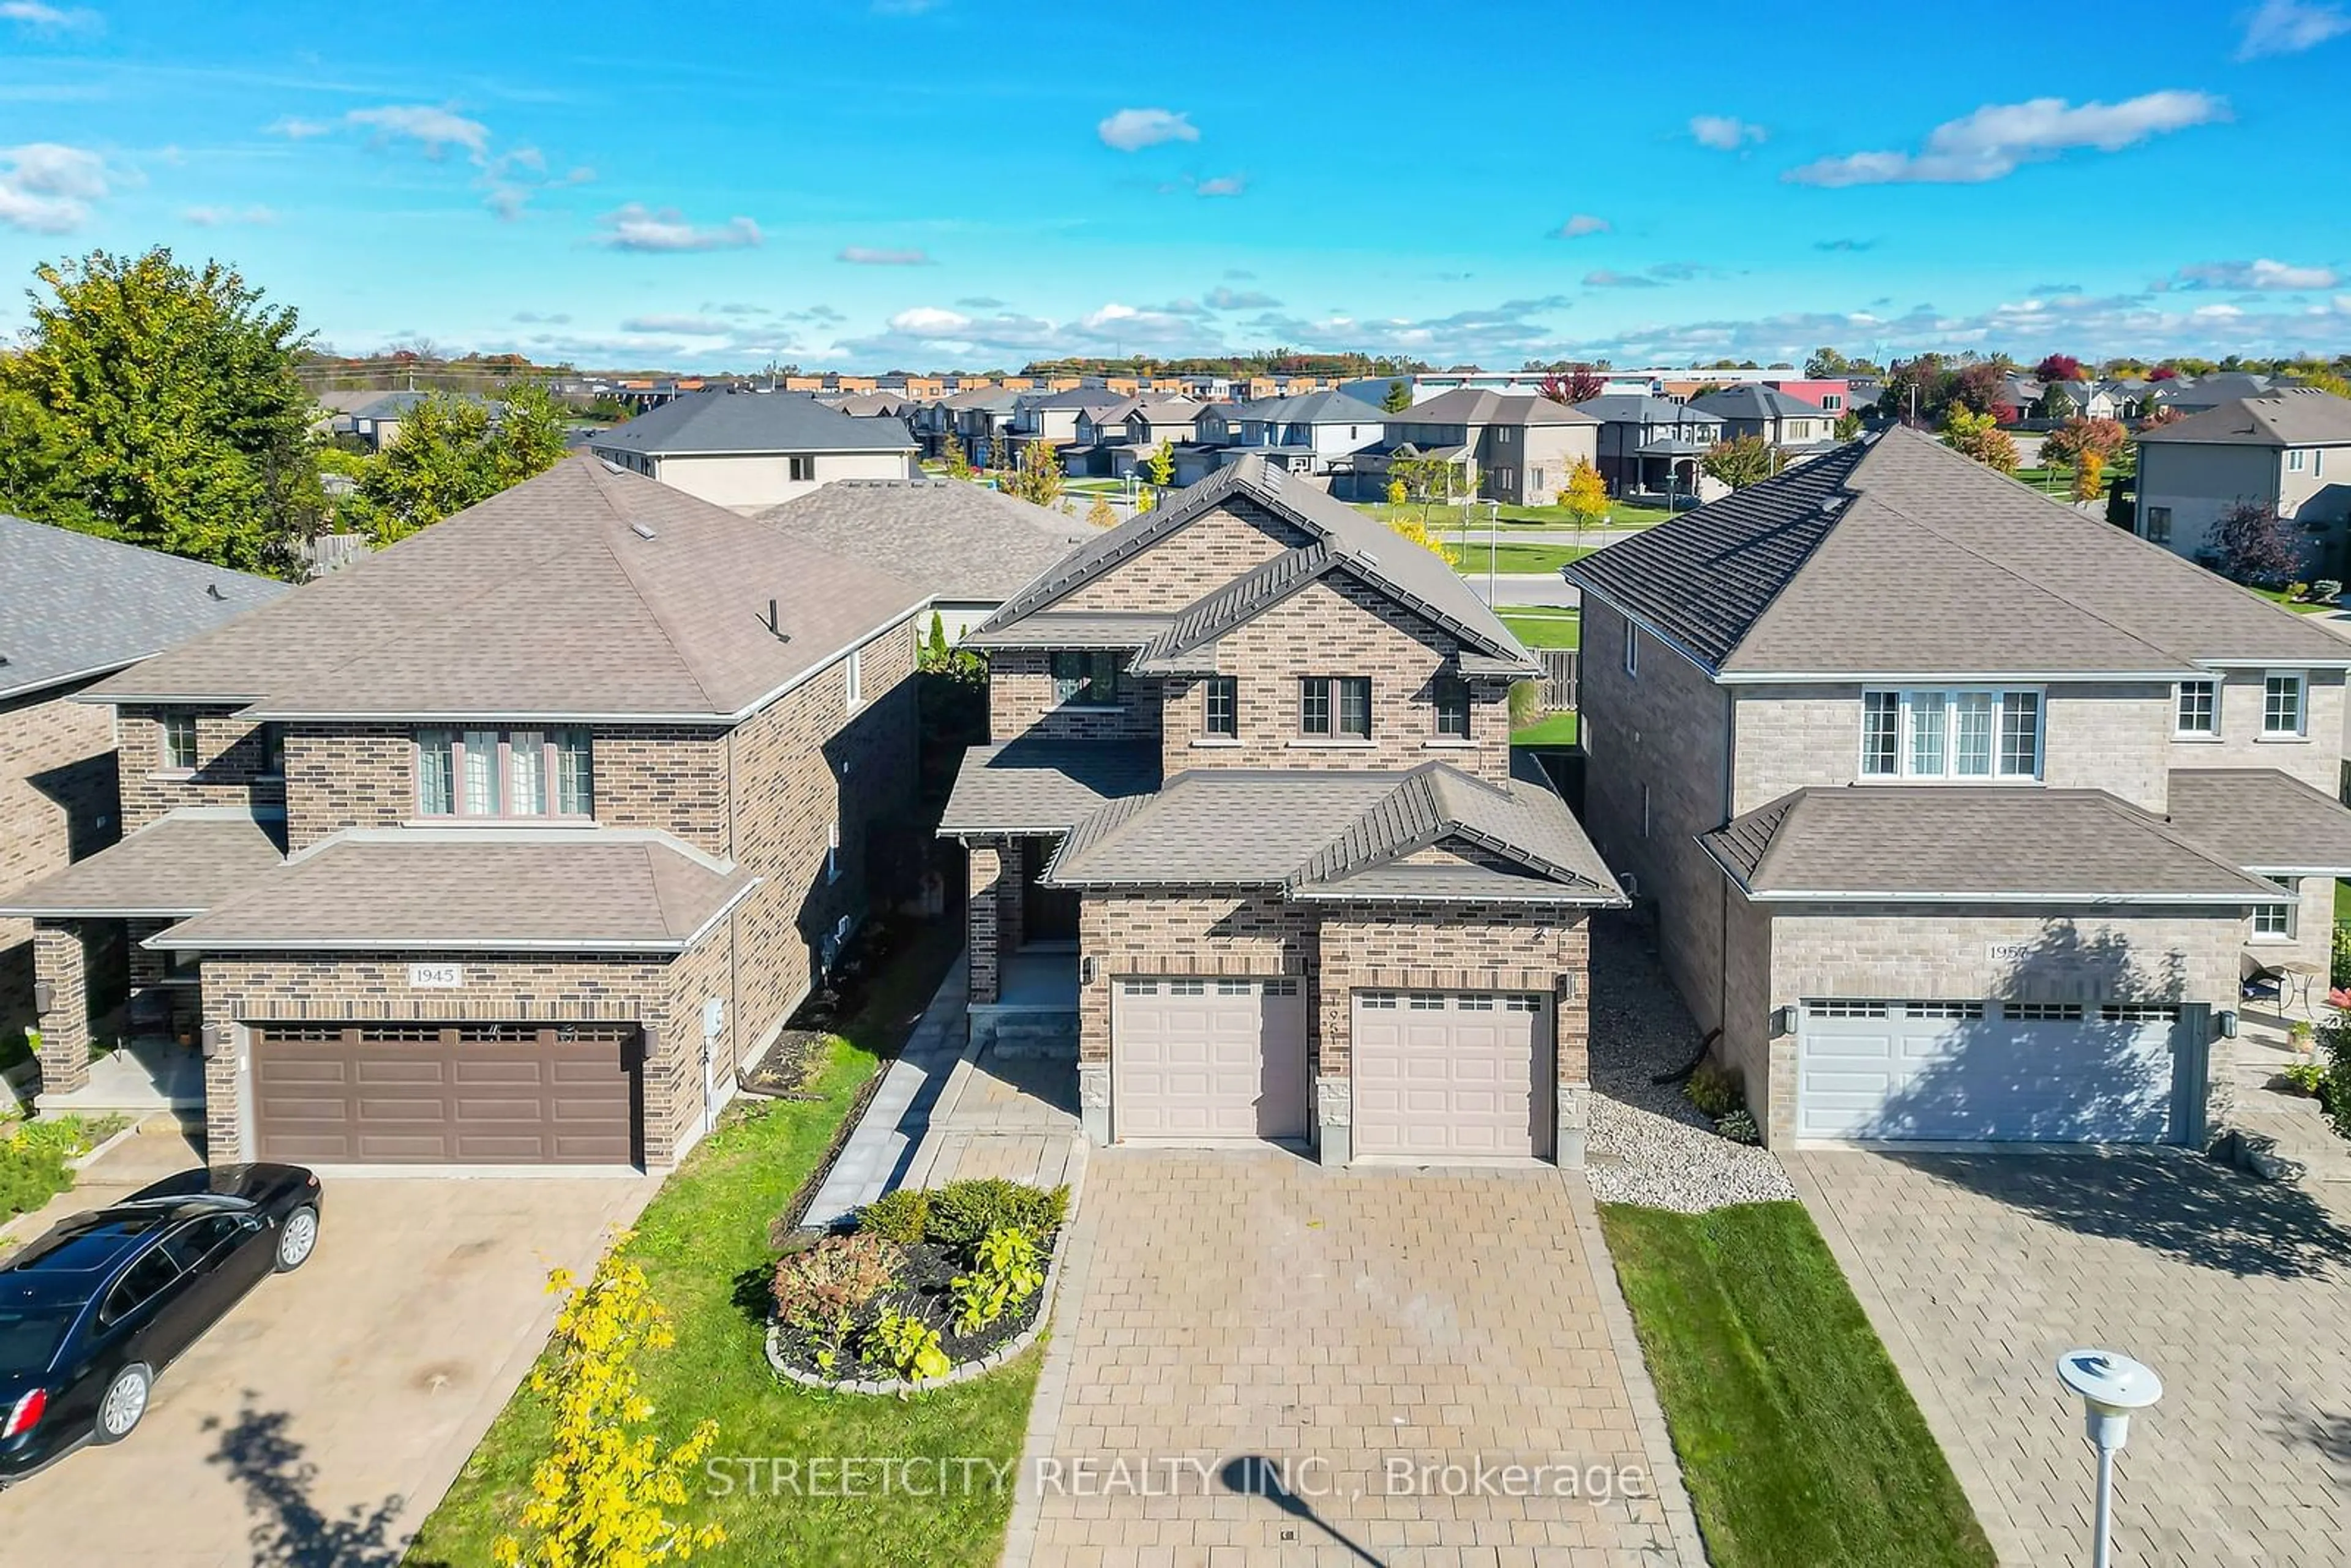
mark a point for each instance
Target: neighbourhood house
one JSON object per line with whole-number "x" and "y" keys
{"x": 2195, "y": 394}
{"x": 75, "y": 608}
{"x": 1990, "y": 868}
{"x": 1247, "y": 837}
{"x": 1052, "y": 417}
{"x": 1312, "y": 434}
{"x": 1653, "y": 445}
{"x": 1798, "y": 428}
{"x": 976, "y": 418}
{"x": 507, "y": 844}
{"x": 1119, "y": 438}
{"x": 969, "y": 547}
{"x": 752, "y": 450}
{"x": 1524, "y": 446}
{"x": 2289, "y": 450}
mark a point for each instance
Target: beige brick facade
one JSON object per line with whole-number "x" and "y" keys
{"x": 229, "y": 768}
{"x": 1203, "y": 555}
{"x": 58, "y": 802}
{"x": 1022, "y": 702}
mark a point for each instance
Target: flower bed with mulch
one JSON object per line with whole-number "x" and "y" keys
{"x": 929, "y": 1288}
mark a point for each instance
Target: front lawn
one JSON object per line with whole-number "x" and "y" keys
{"x": 1440, "y": 518}
{"x": 1558, "y": 730}
{"x": 1507, "y": 559}
{"x": 1562, "y": 629}
{"x": 2299, "y": 606}
{"x": 703, "y": 1245}
{"x": 1799, "y": 1442}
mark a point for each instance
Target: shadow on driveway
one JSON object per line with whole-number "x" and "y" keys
{"x": 289, "y": 1529}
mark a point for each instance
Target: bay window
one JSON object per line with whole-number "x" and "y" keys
{"x": 1967, "y": 733}
{"x": 504, "y": 773}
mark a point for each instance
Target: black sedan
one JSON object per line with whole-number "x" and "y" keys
{"x": 91, "y": 1311}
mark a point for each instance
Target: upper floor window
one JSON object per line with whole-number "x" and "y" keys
{"x": 273, "y": 751}
{"x": 1966, "y": 734}
{"x": 1335, "y": 706}
{"x": 1222, "y": 699}
{"x": 179, "y": 743}
{"x": 2158, "y": 525}
{"x": 1502, "y": 436}
{"x": 803, "y": 469}
{"x": 1832, "y": 402}
{"x": 2283, "y": 704}
{"x": 1452, "y": 697}
{"x": 2275, "y": 919}
{"x": 2294, "y": 460}
{"x": 2198, "y": 708}
{"x": 498, "y": 773}
{"x": 1086, "y": 679}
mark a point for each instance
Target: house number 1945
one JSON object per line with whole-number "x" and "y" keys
{"x": 436, "y": 977}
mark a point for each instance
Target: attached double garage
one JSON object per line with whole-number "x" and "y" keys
{"x": 1436, "y": 1076}
{"x": 1985, "y": 1071}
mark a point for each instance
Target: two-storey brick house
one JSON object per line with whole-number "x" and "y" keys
{"x": 1249, "y": 830}
{"x": 1962, "y": 815}
{"x": 507, "y": 844}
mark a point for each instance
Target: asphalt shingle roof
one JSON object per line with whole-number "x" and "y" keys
{"x": 2260, "y": 819}
{"x": 1960, "y": 841}
{"x": 745, "y": 422}
{"x": 1312, "y": 408}
{"x": 599, "y": 889}
{"x": 959, "y": 540}
{"x": 1896, "y": 556}
{"x": 1477, "y": 405}
{"x": 182, "y": 863}
{"x": 1643, "y": 408}
{"x": 1751, "y": 401}
{"x": 1045, "y": 787}
{"x": 583, "y": 593}
{"x": 2291, "y": 416}
{"x": 74, "y": 605}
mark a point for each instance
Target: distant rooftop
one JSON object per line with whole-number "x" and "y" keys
{"x": 745, "y": 422}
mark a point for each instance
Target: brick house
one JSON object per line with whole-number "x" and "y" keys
{"x": 1523, "y": 447}
{"x": 1248, "y": 836}
{"x": 75, "y": 608}
{"x": 510, "y": 843}
{"x": 1962, "y": 815}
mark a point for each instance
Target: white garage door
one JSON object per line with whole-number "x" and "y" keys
{"x": 1453, "y": 1074}
{"x": 1972, "y": 1071}
{"x": 1208, "y": 1060}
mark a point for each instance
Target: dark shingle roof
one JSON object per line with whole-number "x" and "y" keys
{"x": 1309, "y": 408}
{"x": 1750, "y": 402}
{"x": 727, "y": 422}
{"x": 1045, "y": 787}
{"x": 74, "y": 605}
{"x": 1477, "y": 405}
{"x": 1895, "y": 555}
{"x": 595, "y": 889}
{"x": 182, "y": 863}
{"x": 583, "y": 593}
{"x": 1643, "y": 408}
{"x": 2260, "y": 819}
{"x": 2289, "y": 416}
{"x": 959, "y": 540}
{"x": 1957, "y": 842}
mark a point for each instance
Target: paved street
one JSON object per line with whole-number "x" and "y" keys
{"x": 1527, "y": 589}
{"x": 1358, "y": 1325}
{"x": 1980, "y": 1270}
{"x": 324, "y": 1416}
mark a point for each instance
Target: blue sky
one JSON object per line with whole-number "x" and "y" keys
{"x": 929, "y": 183}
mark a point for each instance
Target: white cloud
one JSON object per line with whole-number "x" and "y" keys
{"x": 1131, "y": 130}
{"x": 2290, "y": 26}
{"x": 1221, "y": 185}
{"x": 48, "y": 21}
{"x": 294, "y": 128}
{"x": 929, "y": 321}
{"x": 2260, "y": 274}
{"x": 679, "y": 326}
{"x": 436, "y": 130}
{"x": 47, "y": 188}
{"x": 866, "y": 255}
{"x": 1581, "y": 225}
{"x": 640, "y": 228}
{"x": 221, "y": 217}
{"x": 1723, "y": 133}
{"x": 1999, "y": 138}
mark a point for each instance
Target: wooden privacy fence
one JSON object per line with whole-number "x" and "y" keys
{"x": 1558, "y": 684}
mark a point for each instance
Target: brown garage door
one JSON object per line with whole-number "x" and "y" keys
{"x": 1453, "y": 1075}
{"x": 447, "y": 1094}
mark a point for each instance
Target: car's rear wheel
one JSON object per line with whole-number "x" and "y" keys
{"x": 295, "y": 1238}
{"x": 124, "y": 1403}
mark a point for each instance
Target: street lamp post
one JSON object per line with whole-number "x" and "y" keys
{"x": 2111, "y": 1385}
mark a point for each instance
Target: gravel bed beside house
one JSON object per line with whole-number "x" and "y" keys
{"x": 1647, "y": 1144}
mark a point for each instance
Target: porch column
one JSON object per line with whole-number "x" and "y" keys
{"x": 979, "y": 921}
{"x": 61, "y": 968}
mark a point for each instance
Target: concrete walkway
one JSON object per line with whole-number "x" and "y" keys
{"x": 878, "y": 1152}
{"x": 1296, "y": 1365}
{"x": 1979, "y": 1269}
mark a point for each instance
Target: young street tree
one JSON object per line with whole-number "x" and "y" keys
{"x": 1586, "y": 496}
{"x": 2089, "y": 477}
{"x": 958, "y": 460}
{"x": 1038, "y": 476}
{"x": 1980, "y": 436}
{"x": 1161, "y": 464}
{"x": 155, "y": 402}
{"x": 453, "y": 453}
{"x": 2255, "y": 544}
{"x": 1399, "y": 398}
{"x": 2075, "y": 439}
{"x": 1740, "y": 462}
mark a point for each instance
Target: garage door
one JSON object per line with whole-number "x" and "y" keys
{"x": 1453, "y": 1074}
{"x": 1976, "y": 1071}
{"x": 436, "y": 1094}
{"x": 1208, "y": 1060}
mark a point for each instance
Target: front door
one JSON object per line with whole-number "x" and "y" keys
{"x": 1047, "y": 914}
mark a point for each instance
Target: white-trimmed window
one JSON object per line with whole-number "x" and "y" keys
{"x": 1967, "y": 733}
{"x": 854, "y": 678}
{"x": 2283, "y": 704}
{"x": 802, "y": 469}
{"x": 2276, "y": 921}
{"x": 179, "y": 742}
{"x": 2196, "y": 709}
{"x": 502, "y": 773}
{"x": 2294, "y": 460}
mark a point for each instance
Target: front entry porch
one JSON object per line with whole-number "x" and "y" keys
{"x": 1024, "y": 951}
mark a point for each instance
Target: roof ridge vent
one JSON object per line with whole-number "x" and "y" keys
{"x": 611, "y": 466}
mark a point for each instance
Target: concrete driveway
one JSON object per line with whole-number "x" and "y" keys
{"x": 1979, "y": 1271}
{"x": 321, "y": 1419}
{"x": 1257, "y": 1359}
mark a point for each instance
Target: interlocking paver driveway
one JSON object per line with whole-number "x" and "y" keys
{"x": 1980, "y": 1270}
{"x": 1225, "y": 1305}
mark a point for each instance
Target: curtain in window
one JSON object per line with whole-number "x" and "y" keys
{"x": 527, "y": 773}
{"x": 481, "y": 792}
{"x": 1927, "y": 724}
{"x": 1971, "y": 734}
{"x": 436, "y": 776}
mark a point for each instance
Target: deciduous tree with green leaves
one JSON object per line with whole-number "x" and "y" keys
{"x": 958, "y": 460}
{"x": 454, "y": 453}
{"x": 155, "y": 402}
{"x": 1848, "y": 424}
{"x": 1161, "y": 464}
{"x": 1038, "y": 476}
{"x": 1980, "y": 436}
{"x": 1741, "y": 461}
